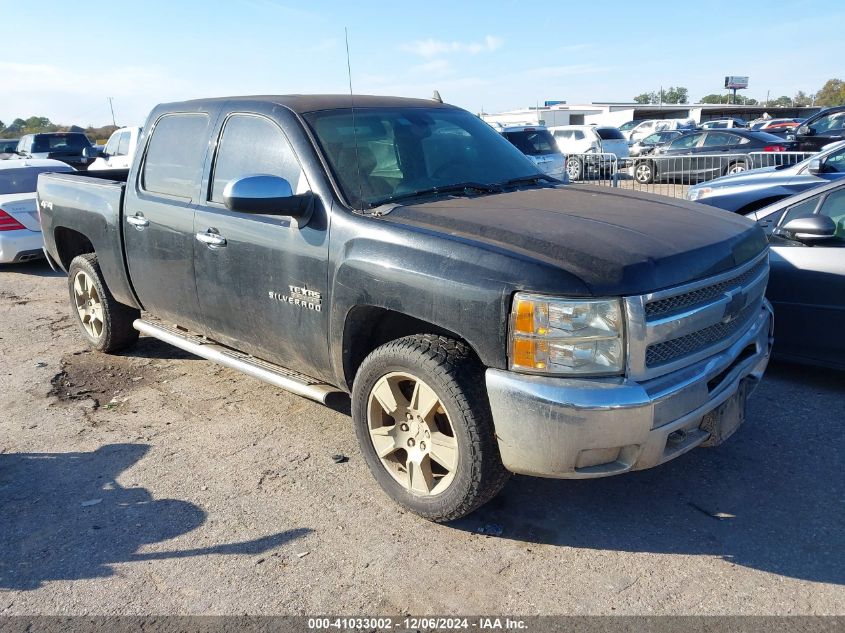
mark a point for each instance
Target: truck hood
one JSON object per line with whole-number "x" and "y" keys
{"x": 615, "y": 242}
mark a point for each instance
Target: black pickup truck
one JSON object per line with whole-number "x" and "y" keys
{"x": 485, "y": 318}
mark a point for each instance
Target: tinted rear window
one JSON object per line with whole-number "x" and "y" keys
{"x": 533, "y": 142}
{"x": 50, "y": 142}
{"x": 173, "y": 165}
{"x": 24, "y": 180}
{"x": 609, "y": 134}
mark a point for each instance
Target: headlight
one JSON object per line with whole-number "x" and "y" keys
{"x": 698, "y": 193}
{"x": 566, "y": 336}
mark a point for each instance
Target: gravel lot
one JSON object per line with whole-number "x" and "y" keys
{"x": 159, "y": 483}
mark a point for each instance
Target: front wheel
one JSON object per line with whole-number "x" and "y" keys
{"x": 105, "y": 323}
{"x": 424, "y": 426}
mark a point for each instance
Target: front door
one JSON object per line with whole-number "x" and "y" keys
{"x": 807, "y": 285}
{"x": 158, "y": 217}
{"x": 826, "y": 129}
{"x": 262, "y": 287}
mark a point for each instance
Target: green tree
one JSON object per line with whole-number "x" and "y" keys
{"x": 646, "y": 97}
{"x": 832, "y": 93}
{"x": 715, "y": 98}
{"x": 675, "y": 95}
{"x": 801, "y": 99}
{"x": 37, "y": 122}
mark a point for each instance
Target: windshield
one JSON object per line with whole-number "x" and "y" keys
{"x": 533, "y": 142}
{"x": 400, "y": 151}
{"x": 24, "y": 180}
{"x": 629, "y": 125}
{"x": 50, "y": 142}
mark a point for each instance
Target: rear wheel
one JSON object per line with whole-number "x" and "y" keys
{"x": 105, "y": 323}
{"x": 424, "y": 426}
{"x": 575, "y": 168}
{"x": 735, "y": 168}
{"x": 644, "y": 172}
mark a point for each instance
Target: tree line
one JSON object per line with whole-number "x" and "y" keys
{"x": 41, "y": 124}
{"x": 831, "y": 94}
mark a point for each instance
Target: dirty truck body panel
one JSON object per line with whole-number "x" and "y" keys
{"x": 290, "y": 290}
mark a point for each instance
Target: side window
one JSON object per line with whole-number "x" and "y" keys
{"x": 719, "y": 139}
{"x": 111, "y": 146}
{"x": 579, "y": 135}
{"x": 253, "y": 145}
{"x": 835, "y": 163}
{"x": 123, "y": 143}
{"x": 686, "y": 142}
{"x": 801, "y": 210}
{"x": 834, "y": 207}
{"x": 175, "y": 155}
{"x": 833, "y": 121}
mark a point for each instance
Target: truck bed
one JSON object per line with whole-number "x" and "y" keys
{"x": 89, "y": 204}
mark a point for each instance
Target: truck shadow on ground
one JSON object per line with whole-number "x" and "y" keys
{"x": 65, "y": 517}
{"x": 37, "y": 267}
{"x": 771, "y": 498}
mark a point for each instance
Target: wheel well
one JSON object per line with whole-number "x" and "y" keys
{"x": 369, "y": 327}
{"x": 758, "y": 204}
{"x": 69, "y": 244}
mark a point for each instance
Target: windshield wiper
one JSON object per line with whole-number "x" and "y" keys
{"x": 528, "y": 180}
{"x": 463, "y": 188}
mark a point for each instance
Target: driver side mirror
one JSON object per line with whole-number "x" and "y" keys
{"x": 270, "y": 195}
{"x": 91, "y": 152}
{"x": 804, "y": 130}
{"x": 810, "y": 229}
{"x": 814, "y": 167}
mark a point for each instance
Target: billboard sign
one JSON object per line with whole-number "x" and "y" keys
{"x": 736, "y": 83}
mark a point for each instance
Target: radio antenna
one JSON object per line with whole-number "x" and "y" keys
{"x": 354, "y": 127}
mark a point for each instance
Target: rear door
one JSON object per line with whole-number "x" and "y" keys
{"x": 807, "y": 285}
{"x": 679, "y": 159}
{"x": 262, "y": 290}
{"x": 158, "y": 216}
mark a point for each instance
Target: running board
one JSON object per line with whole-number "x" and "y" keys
{"x": 289, "y": 380}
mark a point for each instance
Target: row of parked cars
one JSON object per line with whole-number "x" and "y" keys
{"x": 674, "y": 146}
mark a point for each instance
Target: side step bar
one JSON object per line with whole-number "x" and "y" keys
{"x": 288, "y": 380}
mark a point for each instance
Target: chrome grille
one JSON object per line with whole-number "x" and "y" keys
{"x": 667, "y": 351}
{"x": 674, "y": 328}
{"x": 678, "y": 303}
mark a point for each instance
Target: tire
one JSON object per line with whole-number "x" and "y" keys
{"x": 105, "y": 323}
{"x": 434, "y": 487}
{"x": 575, "y": 168}
{"x": 644, "y": 172}
{"x": 735, "y": 168}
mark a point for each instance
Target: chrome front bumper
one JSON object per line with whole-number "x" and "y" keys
{"x": 594, "y": 427}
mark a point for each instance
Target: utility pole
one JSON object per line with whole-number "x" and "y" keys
{"x": 767, "y": 98}
{"x": 111, "y": 107}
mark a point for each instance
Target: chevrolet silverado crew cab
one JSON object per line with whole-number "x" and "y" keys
{"x": 485, "y": 319}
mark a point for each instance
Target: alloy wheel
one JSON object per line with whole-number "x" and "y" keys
{"x": 88, "y": 304}
{"x": 412, "y": 434}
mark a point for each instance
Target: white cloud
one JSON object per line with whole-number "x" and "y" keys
{"x": 431, "y": 48}
{"x": 434, "y": 67}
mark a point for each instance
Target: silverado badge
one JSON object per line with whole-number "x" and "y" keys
{"x": 300, "y": 296}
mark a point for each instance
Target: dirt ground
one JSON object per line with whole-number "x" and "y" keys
{"x": 154, "y": 482}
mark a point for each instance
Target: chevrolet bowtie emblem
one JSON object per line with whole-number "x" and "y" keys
{"x": 734, "y": 306}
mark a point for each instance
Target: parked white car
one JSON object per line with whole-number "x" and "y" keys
{"x": 20, "y": 229}
{"x": 537, "y": 143}
{"x": 722, "y": 124}
{"x": 650, "y": 126}
{"x": 589, "y": 139}
{"x": 119, "y": 150}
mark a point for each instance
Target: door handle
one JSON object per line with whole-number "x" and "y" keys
{"x": 212, "y": 240}
{"x": 138, "y": 221}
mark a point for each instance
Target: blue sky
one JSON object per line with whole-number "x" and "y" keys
{"x": 495, "y": 55}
